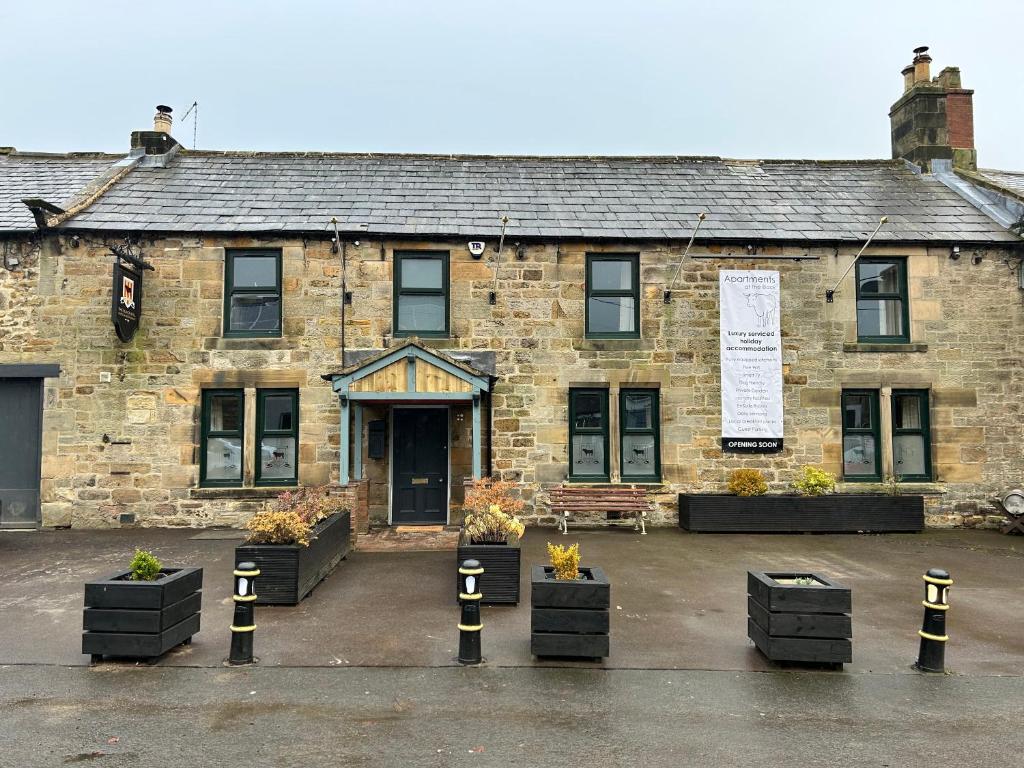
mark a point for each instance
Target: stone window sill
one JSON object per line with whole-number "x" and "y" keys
{"x": 249, "y": 344}
{"x": 856, "y": 346}
{"x": 906, "y": 489}
{"x": 612, "y": 345}
{"x": 263, "y": 492}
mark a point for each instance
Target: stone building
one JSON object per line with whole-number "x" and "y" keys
{"x": 576, "y": 341}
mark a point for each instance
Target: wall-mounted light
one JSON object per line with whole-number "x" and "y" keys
{"x": 75, "y": 241}
{"x": 520, "y": 251}
{"x": 954, "y": 252}
{"x": 977, "y": 259}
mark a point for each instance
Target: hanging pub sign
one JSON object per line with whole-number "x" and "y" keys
{"x": 126, "y": 297}
{"x": 751, "y": 346}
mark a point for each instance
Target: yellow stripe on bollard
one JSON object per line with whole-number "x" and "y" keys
{"x": 471, "y": 627}
{"x": 936, "y": 606}
{"x": 244, "y": 598}
{"x": 247, "y": 573}
{"x": 933, "y": 580}
{"x": 476, "y": 596}
{"x": 471, "y": 571}
{"x": 250, "y": 628}
{"x": 937, "y": 638}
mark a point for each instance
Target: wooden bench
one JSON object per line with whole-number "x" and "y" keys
{"x": 627, "y": 500}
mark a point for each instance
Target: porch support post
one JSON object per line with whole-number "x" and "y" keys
{"x": 343, "y": 445}
{"x": 357, "y": 445}
{"x": 476, "y": 434}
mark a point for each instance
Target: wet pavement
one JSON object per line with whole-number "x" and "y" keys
{"x": 678, "y": 600}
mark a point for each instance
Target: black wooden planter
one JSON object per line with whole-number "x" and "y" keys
{"x": 500, "y": 581}
{"x": 832, "y": 513}
{"x": 288, "y": 572}
{"x": 569, "y": 618}
{"x": 794, "y": 622}
{"x": 141, "y": 619}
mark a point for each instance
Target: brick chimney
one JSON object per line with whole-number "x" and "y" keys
{"x": 934, "y": 118}
{"x": 159, "y": 140}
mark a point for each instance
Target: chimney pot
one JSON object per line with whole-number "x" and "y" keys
{"x": 162, "y": 119}
{"x": 908, "y": 77}
{"x": 922, "y": 65}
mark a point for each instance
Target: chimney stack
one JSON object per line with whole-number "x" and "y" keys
{"x": 162, "y": 119}
{"x": 934, "y": 118}
{"x": 158, "y": 141}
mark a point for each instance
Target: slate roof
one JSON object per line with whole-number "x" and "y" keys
{"x": 52, "y": 177}
{"x": 549, "y": 197}
{"x": 1012, "y": 181}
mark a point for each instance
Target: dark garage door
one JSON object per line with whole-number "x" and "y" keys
{"x": 21, "y": 415}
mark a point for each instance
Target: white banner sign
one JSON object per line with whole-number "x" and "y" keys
{"x": 751, "y": 344}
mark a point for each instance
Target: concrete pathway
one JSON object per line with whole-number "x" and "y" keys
{"x": 679, "y": 600}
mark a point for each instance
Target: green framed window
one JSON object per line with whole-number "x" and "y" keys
{"x": 911, "y": 435}
{"x": 277, "y": 436}
{"x": 613, "y": 296}
{"x": 252, "y": 293}
{"x": 883, "y": 313}
{"x": 862, "y": 439}
{"x": 223, "y": 437}
{"x": 639, "y": 435}
{"x": 421, "y": 294}
{"x": 588, "y": 434}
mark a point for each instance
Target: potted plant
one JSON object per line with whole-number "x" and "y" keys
{"x": 295, "y": 544}
{"x": 490, "y": 534}
{"x": 801, "y": 617}
{"x": 813, "y": 507}
{"x": 142, "y": 612}
{"x": 569, "y": 607}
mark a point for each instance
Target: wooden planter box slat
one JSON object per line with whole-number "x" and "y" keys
{"x": 139, "y": 644}
{"x": 141, "y": 618}
{"x": 800, "y": 623}
{"x": 821, "y": 625}
{"x": 833, "y": 513}
{"x": 501, "y": 563}
{"x": 289, "y": 572}
{"x": 569, "y": 618}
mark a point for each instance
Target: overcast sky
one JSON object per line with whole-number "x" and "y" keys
{"x": 737, "y": 79}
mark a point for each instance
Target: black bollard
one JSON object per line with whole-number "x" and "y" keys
{"x": 244, "y": 623}
{"x": 932, "y": 655}
{"x": 469, "y": 623}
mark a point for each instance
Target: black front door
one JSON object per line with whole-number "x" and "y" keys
{"x": 20, "y": 443}
{"x": 419, "y": 491}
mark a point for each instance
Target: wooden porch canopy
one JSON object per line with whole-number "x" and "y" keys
{"x": 409, "y": 374}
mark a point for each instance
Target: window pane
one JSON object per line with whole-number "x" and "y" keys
{"x": 225, "y": 413}
{"x": 611, "y": 275}
{"x": 879, "y": 317}
{"x": 611, "y": 314}
{"x": 254, "y": 271}
{"x": 906, "y": 412}
{"x": 588, "y": 455}
{"x": 638, "y": 455}
{"x": 421, "y": 313}
{"x": 908, "y": 454}
{"x": 255, "y": 312}
{"x": 859, "y": 455}
{"x": 638, "y": 411}
{"x": 277, "y": 458}
{"x": 422, "y": 273}
{"x": 879, "y": 278}
{"x": 277, "y": 412}
{"x": 857, "y": 411}
{"x": 587, "y": 410}
{"x": 223, "y": 458}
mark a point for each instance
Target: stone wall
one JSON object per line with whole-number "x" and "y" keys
{"x": 121, "y": 423}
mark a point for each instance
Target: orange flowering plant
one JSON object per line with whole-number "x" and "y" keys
{"x": 491, "y": 507}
